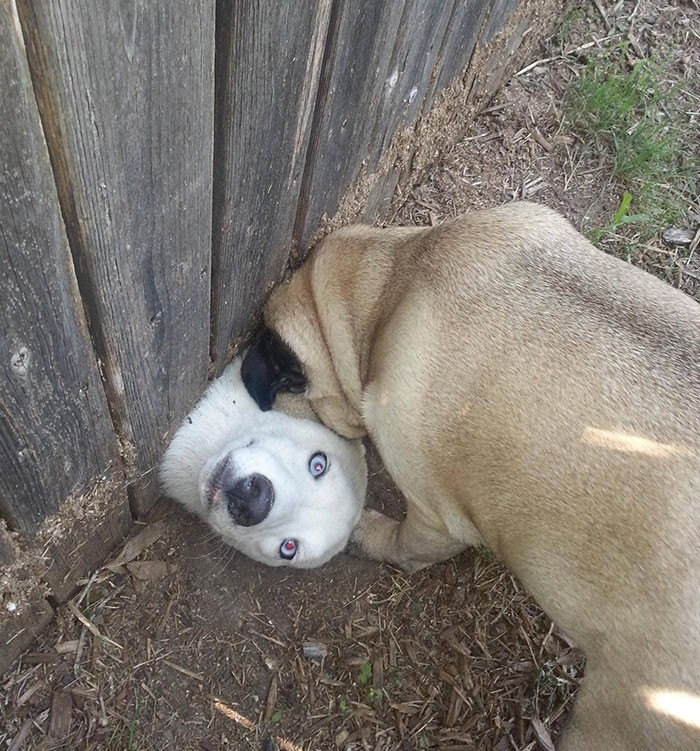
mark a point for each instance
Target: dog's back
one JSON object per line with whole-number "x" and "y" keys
{"x": 528, "y": 391}
{"x": 568, "y": 429}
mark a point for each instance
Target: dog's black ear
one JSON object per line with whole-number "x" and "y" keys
{"x": 270, "y": 367}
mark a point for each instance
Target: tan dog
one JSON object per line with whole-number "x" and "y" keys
{"x": 528, "y": 392}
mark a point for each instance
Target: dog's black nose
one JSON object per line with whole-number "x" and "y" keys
{"x": 250, "y": 499}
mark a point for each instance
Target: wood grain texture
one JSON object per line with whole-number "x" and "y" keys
{"x": 386, "y": 63}
{"x": 498, "y": 14}
{"x": 355, "y": 77}
{"x": 55, "y": 431}
{"x": 76, "y": 553}
{"x": 19, "y": 630}
{"x": 461, "y": 35}
{"x": 414, "y": 55}
{"x": 269, "y": 55}
{"x": 383, "y": 60}
{"x": 125, "y": 92}
{"x": 444, "y": 58}
{"x": 8, "y": 551}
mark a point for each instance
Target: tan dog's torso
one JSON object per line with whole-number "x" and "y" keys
{"x": 529, "y": 392}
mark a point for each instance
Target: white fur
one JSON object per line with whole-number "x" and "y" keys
{"x": 319, "y": 513}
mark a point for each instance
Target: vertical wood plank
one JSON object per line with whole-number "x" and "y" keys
{"x": 498, "y": 14}
{"x": 460, "y": 39}
{"x": 386, "y": 61}
{"x": 269, "y": 55}
{"x": 355, "y": 75}
{"x": 125, "y": 92}
{"x": 55, "y": 432}
{"x": 76, "y": 553}
{"x": 414, "y": 54}
{"x": 19, "y": 630}
{"x": 443, "y": 59}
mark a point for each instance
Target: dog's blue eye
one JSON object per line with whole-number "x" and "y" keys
{"x": 288, "y": 549}
{"x": 318, "y": 464}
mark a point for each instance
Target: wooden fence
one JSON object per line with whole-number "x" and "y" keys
{"x": 159, "y": 159}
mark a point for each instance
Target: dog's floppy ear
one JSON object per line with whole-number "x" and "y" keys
{"x": 269, "y": 367}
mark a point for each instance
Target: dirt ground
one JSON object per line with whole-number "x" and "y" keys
{"x": 185, "y": 644}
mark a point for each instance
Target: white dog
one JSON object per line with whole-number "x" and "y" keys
{"x": 285, "y": 491}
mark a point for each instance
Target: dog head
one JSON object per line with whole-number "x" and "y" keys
{"x": 284, "y": 491}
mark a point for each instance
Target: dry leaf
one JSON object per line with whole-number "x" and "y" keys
{"x": 138, "y": 544}
{"x": 148, "y": 570}
{"x": 271, "y": 700}
{"x": 61, "y": 715}
{"x": 314, "y": 649}
{"x": 542, "y": 734}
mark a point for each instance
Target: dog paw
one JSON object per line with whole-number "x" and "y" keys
{"x": 370, "y": 521}
{"x": 374, "y": 536}
{"x": 355, "y": 550}
{"x": 357, "y": 545}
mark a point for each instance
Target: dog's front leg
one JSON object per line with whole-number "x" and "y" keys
{"x": 414, "y": 543}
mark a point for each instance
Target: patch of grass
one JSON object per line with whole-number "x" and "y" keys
{"x": 622, "y": 217}
{"x": 365, "y": 674}
{"x": 632, "y": 116}
{"x": 426, "y": 741}
{"x": 344, "y": 708}
{"x": 124, "y": 736}
{"x": 571, "y": 16}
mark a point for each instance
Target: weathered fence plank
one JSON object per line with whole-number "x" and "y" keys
{"x": 384, "y": 60}
{"x": 125, "y": 92}
{"x": 355, "y": 74}
{"x": 75, "y": 553}
{"x": 447, "y": 42}
{"x": 19, "y": 630}
{"x": 7, "y": 549}
{"x": 498, "y": 13}
{"x": 55, "y": 432}
{"x": 269, "y": 55}
{"x": 414, "y": 53}
{"x": 463, "y": 29}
